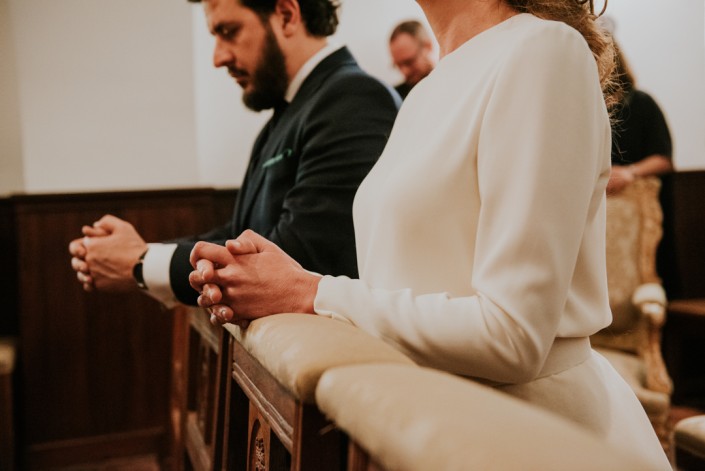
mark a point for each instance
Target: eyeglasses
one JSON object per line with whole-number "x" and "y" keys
{"x": 409, "y": 62}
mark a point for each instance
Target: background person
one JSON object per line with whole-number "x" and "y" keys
{"x": 481, "y": 229}
{"x": 641, "y": 141}
{"x": 412, "y": 53}
{"x": 330, "y": 124}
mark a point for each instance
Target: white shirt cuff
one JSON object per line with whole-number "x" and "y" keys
{"x": 155, "y": 270}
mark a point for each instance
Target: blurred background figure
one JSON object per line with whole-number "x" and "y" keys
{"x": 412, "y": 52}
{"x": 641, "y": 141}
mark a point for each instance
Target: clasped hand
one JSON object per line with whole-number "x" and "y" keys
{"x": 249, "y": 278}
{"x": 104, "y": 257}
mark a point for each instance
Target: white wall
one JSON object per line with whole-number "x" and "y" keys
{"x": 227, "y": 130}
{"x": 11, "y": 168}
{"x": 664, "y": 43}
{"x": 105, "y": 94}
{"x": 102, "y": 95}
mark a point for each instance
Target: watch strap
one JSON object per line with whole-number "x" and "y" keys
{"x": 138, "y": 272}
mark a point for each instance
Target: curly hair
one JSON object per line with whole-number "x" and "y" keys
{"x": 579, "y": 15}
{"x": 320, "y": 16}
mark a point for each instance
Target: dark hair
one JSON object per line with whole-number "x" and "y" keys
{"x": 320, "y": 16}
{"x": 579, "y": 14}
{"x": 413, "y": 28}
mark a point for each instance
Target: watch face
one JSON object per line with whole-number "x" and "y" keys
{"x": 138, "y": 276}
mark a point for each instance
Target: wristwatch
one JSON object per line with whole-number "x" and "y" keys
{"x": 137, "y": 272}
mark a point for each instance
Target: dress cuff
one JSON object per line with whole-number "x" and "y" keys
{"x": 329, "y": 296}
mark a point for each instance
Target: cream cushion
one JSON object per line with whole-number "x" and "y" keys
{"x": 418, "y": 419}
{"x": 690, "y": 435}
{"x": 297, "y": 348}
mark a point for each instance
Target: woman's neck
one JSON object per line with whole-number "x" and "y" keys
{"x": 454, "y": 22}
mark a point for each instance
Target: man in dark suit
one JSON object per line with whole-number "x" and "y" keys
{"x": 330, "y": 124}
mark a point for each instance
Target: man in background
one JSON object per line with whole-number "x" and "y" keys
{"x": 330, "y": 124}
{"x": 412, "y": 53}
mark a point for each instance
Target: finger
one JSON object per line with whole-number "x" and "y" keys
{"x": 215, "y": 253}
{"x": 214, "y": 320}
{"x": 79, "y": 265}
{"x": 91, "y": 231}
{"x": 241, "y": 246}
{"x": 84, "y": 278}
{"x": 76, "y": 248}
{"x": 204, "y": 301}
{"x": 206, "y": 269}
{"x": 196, "y": 280}
{"x": 88, "y": 287}
{"x": 108, "y": 223}
{"x": 213, "y": 293}
{"x": 251, "y": 242}
{"x": 222, "y": 312}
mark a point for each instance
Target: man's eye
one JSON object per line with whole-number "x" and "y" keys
{"x": 227, "y": 32}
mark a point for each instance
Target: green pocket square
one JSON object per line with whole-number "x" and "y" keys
{"x": 277, "y": 158}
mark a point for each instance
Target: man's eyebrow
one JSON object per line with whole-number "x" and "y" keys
{"x": 223, "y": 28}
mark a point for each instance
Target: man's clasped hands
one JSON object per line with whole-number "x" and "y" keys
{"x": 248, "y": 278}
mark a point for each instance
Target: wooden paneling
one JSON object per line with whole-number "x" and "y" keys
{"x": 682, "y": 253}
{"x": 9, "y": 325}
{"x": 95, "y": 366}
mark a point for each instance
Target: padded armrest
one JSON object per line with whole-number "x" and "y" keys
{"x": 690, "y": 435}
{"x": 297, "y": 348}
{"x": 416, "y": 419}
{"x": 650, "y": 299}
{"x": 649, "y": 293}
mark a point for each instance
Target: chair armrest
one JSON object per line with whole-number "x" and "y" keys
{"x": 650, "y": 300}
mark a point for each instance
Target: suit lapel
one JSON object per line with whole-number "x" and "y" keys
{"x": 252, "y": 181}
{"x": 276, "y": 130}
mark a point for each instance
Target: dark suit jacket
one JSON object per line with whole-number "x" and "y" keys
{"x": 304, "y": 170}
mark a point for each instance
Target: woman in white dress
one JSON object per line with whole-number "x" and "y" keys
{"x": 481, "y": 231}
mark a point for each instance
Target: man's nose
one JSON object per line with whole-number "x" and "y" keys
{"x": 222, "y": 55}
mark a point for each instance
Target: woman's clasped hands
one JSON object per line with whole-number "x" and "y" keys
{"x": 248, "y": 278}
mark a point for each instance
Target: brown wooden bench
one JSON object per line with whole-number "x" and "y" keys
{"x": 7, "y": 436}
{"x": 272, "y": 422}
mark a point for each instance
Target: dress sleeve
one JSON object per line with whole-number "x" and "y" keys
{"x": 543, "y": 150}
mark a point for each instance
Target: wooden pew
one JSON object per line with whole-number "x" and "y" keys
{"x": 196, "y": 404}
{"x": 271, "y": 420}
{"x": 7, "y": 429}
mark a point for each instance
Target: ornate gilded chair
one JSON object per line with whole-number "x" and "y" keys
{"x": 638, "y": 301}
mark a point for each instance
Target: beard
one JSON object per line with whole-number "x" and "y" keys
{"x": 269, "y": 80}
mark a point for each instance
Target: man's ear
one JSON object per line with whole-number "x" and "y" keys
{"x": 287, "y": 15}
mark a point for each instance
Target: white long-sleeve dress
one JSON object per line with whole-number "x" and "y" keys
{"x": 480, "y": 231}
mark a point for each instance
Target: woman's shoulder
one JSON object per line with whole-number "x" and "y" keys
{"x": 532, "y": 31}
